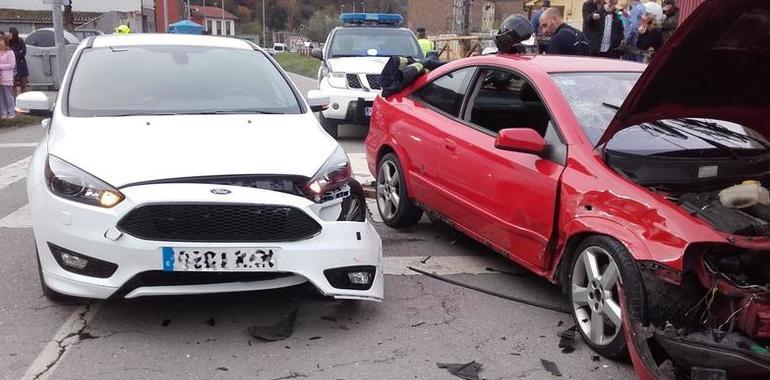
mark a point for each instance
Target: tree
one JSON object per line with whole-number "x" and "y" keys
{"x": 319, "y": 25}
{"x": 276, "y": 16}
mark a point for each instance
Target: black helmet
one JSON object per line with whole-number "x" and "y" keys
{"x": 513, "y": 30}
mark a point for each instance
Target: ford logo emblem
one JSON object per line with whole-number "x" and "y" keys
{"x": 220, "y": 191}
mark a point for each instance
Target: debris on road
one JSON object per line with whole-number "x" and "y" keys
{"x": 418, "y": 324}
{"x": 467, "y": 371}
{"x": 425, "y": 260}
{"x": 279, "y": 331}
{"x": 314, "y": 338}
{"x": 595, "y": 358}
{"x": 557, "y": 308}
{"x": 165, "y": 322}
{"x": 222, "y": 369}
{"x": 211, "y": 322}
{"x": 517, "y": 274}
{"x": 567, "y": 341}
{"x": 330, "y": 319}
{"x": 550, "y": 367}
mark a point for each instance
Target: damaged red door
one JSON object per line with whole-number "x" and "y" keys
{"x": 504, "y": 198}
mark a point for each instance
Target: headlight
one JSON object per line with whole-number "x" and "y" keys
{"x": 334, "y": 173}
{"x": 337, "y": 80}
{"x": 68, "y": 181}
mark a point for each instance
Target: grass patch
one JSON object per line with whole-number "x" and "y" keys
{"x": 299, "y": 64}
{"x": 20, "y": 120}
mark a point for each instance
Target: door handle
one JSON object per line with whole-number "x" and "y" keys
{"x": 450, "y": 146}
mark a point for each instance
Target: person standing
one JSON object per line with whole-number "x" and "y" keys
{"x": 7, "y": 68}
{"x": 650, "y": 37}
{"x": 672, "y": 18}
{"x": 631, "y": 32}
{"x": 536, "y": 16}
{"x": 565, "y": 39}
{"x": 592, "y": 23}
{"x": 611, "y": 31}
{"x": 20, "y": 51}
{"x": 425, "y": 44}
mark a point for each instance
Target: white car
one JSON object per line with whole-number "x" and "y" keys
{"x": 179, "y": 164}
{"x": 353, "y": 58}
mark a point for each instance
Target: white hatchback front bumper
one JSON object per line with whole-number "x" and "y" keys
{"x": 93, "y": 232}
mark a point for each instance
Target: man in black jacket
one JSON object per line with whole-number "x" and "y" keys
{"x": 611, "y": 31}
{"x": 593, "y": 23}
{"x": 565, "y": 39}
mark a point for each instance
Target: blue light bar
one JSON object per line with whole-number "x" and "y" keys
{"x": 371, "y": 18}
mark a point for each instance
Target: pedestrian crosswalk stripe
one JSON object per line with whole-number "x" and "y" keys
{"x": 14, "y": 172}
{"x": 18, "y": 219}
{"x": 18, "y": 145}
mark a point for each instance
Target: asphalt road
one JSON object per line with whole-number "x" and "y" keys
{"x": 421, "y": 322}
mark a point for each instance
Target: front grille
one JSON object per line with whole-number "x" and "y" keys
{"x": 353, "y": 81}
{"x": 161, "y": 278}
{"x": 219, "y": 223}
{"x": 374, "y": 81}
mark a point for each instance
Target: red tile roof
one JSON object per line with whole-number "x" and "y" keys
{"x": 211, "y": 12}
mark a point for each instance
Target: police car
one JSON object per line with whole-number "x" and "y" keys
{"x": 353, "y": 58}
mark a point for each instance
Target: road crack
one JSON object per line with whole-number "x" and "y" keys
{"x": 70, "y": 340}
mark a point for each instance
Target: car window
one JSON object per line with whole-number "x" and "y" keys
{"x": 361, "y": 42}
{"x": 448, "y": 92}
{"x": 177, "y": 79}
{"x": 503, "y": 99}
{"x": 41, "y": 38}
{"x": 588, "y": 94}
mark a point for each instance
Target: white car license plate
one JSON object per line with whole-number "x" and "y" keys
{"x": 219, "y": 259}
{"x": 368, "y": 111}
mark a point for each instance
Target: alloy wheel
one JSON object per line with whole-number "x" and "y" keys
{"x": 388, "y": 189}
{"x": 595, "y": 298}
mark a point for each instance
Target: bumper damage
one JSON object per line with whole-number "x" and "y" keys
{"x": 712, "y": 321}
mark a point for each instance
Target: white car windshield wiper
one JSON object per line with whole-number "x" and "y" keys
{"x": 223, "y": 112}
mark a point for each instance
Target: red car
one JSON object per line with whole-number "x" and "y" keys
{"x": 640, "y": 190}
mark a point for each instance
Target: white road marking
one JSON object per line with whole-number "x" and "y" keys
{"x": 68, "y": 335}
{"x": 18, "y": 145}
{"x": 20, "y": 218}
{"x": 14, "y": 172}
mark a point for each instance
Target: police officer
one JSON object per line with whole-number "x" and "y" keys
{"x": 122, "y": 29}
{"x": 425, "y": 44}
{"x": 565, "y": 39}
{"x": 513, "y": 31}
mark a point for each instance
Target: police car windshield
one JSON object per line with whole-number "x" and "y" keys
{"x": 376, "y": 41}
{"x": 152, "y": 80}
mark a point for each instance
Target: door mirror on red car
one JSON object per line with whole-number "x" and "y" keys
{"x": 524, "y": 140}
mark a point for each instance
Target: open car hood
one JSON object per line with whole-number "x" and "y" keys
{"x": 716, "y": 65}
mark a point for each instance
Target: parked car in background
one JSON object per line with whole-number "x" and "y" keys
{"x": 279, "y": 47}
{"x": 652, "y": 213}
{"x": 353, "y": 58}
{"x": 167, "y": 176}
{"x": 41, "y": 57}
{"x": 83, "y": 33}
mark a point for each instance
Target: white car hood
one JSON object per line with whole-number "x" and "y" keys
{"x": 358, "y": 65}
{"x": 125, "y": 150}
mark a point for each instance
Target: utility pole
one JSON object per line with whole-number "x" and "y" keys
{"x": 223, "y": 19}
{"x": 264, "y": 26}
{"x": 165, "y": 16}
{"x": 188, "y": 10}
{"x": 58, "y": 35}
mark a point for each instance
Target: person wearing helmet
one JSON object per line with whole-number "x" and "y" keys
{"x": 513, "y": 30}
{"x": 122, "y": 29}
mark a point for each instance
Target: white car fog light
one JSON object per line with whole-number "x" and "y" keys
{"x": 336, "y": 106}
{"x": 359, "y": 278}
{"x": 73, "y": 261}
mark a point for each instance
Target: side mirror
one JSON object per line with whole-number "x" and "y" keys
{"x": 36, "y": 103}
{"x": 317, "y": 53}
{"x": 317, "y": 100}
{"x": 45, "y": 123}
{"x": 524, "y": 140}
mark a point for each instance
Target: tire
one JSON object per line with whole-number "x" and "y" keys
{"x": 329, "y": 125}
{"x": 393, "y": 203}
{"x": 594, "y": 299}
{"x": 49, "y": 293}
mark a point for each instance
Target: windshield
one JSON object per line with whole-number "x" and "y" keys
{"x": 586, "y": 94}
{"x": 141, "y": 80}
{"x": 361, "y": 42}
{"x": 595, "y": 97}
